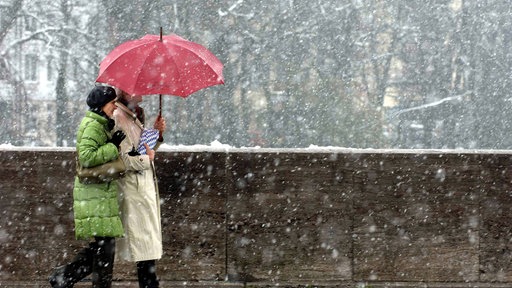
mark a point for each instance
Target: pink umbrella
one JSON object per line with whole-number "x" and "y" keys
{"x": 160, "y": 65}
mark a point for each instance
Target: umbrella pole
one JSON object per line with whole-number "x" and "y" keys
{"x": 160, "y": 108}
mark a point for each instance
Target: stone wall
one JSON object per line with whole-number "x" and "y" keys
{"x": 334, "y": 215}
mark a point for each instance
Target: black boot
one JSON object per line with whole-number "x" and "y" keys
{"x": 146, "y": 272}
{"x": 103, "y": 262}
{"x": 57, "y": 278}
{"x": 67, "y": 275}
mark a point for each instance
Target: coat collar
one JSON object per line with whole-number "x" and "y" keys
{"x": 101, "y": 119}
{"x": 130, "y": 114}
{"x": 126, "y": 110}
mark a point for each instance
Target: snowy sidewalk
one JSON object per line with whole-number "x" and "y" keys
{"x": 284, "y": 284}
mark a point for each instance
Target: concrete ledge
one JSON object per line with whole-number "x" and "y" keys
{"x": 311, "y": 217}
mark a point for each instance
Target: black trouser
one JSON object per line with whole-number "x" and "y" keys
{"x": 97, "y": 258}
{"x": 146, "y": 272}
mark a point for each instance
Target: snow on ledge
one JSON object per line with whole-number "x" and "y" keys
{"x": 216, "y": 146}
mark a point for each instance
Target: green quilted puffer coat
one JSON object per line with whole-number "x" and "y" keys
{"x": 95, "y": 206}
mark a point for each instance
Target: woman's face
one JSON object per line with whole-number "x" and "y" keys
{"x": 109, "y": 108}
{"x": 132, "y": 99}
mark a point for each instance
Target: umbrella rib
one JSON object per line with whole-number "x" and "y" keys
{"x": 137, "y": 45}
{"x": 144, "y": 64}
{"x": 206, "y": 64}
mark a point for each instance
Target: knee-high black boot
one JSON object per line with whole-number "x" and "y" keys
{"x": 67, "y": 275}
{"x": 146, "y": 272}
{"x": 103, "y": 262}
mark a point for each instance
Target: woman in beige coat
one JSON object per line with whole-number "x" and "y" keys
{"x": 139, "y": 200}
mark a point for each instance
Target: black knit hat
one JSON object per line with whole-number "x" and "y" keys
{"x": 100, "y": 96}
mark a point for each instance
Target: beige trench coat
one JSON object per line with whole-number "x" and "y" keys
{"x": 139, "y": 200}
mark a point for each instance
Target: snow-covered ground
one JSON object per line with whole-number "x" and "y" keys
{"x": 216, "y": 146}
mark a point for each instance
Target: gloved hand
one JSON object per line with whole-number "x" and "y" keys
{"x": 134, "y": 152}
{"x": 117, "y": 138}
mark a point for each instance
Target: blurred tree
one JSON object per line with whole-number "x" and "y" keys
{"x": 485, "y": 75}
{"x": 15, "y": 95}
{"x": 63, "y": 125}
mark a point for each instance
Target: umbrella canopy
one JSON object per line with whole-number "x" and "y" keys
{"x": 161, "y": 65}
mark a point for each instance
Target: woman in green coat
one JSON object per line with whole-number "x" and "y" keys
{"x": 95, "y": 206}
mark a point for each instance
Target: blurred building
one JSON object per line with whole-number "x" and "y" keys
{"x": 27, "y": 81}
